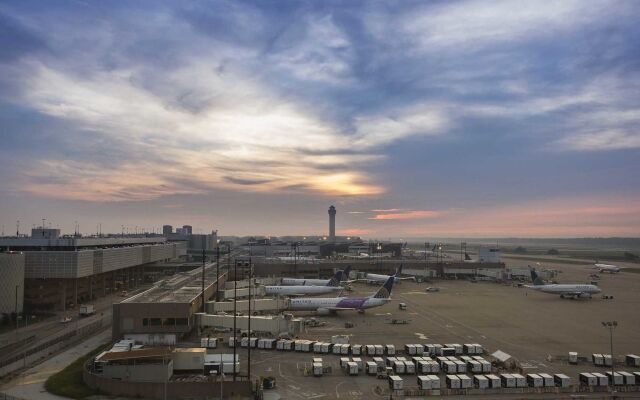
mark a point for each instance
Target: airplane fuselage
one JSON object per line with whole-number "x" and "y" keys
{"x": 336, "y": 303}
{"x": 299, "y": 290}
{"x": 567, "y": 289}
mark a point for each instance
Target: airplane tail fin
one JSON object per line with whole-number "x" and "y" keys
{"x": 385, "y": 290}
{"x": 398, "y": 271}
{"x": 537, "y": 281}
{"x": 466, "y": 256}
{"x": 335, "y": 280}
{"x": 345, "y": 273}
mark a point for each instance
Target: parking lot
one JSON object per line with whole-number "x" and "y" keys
{"x": 536, "y": 329}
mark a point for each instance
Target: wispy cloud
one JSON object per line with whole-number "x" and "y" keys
{"x": 407, "y": 215}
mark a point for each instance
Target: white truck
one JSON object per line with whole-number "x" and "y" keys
{"x": 86, "y": 310}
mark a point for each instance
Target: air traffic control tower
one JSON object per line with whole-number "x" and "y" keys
{"x": 332, "y": 224}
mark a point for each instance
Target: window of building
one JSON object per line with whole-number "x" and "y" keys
{"x": 145, "y": 321}
{"x": 155, "y": 321}
{"x": 182, "y": 321}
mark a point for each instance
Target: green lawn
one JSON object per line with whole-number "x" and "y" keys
{"x": 68, "y": 382}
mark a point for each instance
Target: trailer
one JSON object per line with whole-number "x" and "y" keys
{"x": 453, "y": 382}
{"x": 508, "y": 380}
{"x": 390, "y": 349}
{"x": 617, "y": 378}
{"x": 629, "y": 378}
{"x": 317, "y": 369}
{"x": 603, "y": 380}
{"x": 547, "y": 380}
{"x": 587, "y": 379}
{"x": 481, "y": 381}
{"x": 395, "y": 382}
{"x": 632, "y": 360}
{"x": 352, "y": 368}
{"x": 372, "y": 368}
{"x": 573, "y": 357}
{"x": 535, "y": 380}
{"x": 521, "y": 381}
{"x": 494, "y": 381}
{"x": 561, "y": 380}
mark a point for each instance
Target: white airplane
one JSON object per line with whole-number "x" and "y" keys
{"x": 564, "y": 290}
{"x": 383, "y": 278}
{"x": 313, "y": 282}
{"x": 325, "y": 306}
{"x": 333, "y": 285}
{"x": 612, "y": 269}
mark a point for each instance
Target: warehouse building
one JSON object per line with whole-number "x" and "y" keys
{"x": 11, "y": 282}
{"x": 62, "y": 271}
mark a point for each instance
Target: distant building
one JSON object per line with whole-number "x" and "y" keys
{"x": 167, "y": 230}
{"x": 11, "y": 282}
{"x": 45, "y": 233}
{"x": 187, "y": 229}
{"x": 489, "y": 255}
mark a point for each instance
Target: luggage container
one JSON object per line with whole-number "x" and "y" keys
{"x": 481, "y": 382}
{"x": 326, "y": 348}
{"x": 390, "y": 349}
{"x": 453, "y": 382}
{"x": 391, "y": 361}
{"x": 371, "y": 349}
{"x": 469, "y": 348}
{"x": 344, "y": 349}
{"x": 597, "y": 359}
{"x": 449, "y": 367}
{"x": 561, "y": 380}
{"x": 358, "y": 361}
{"x": 587, "y": 379}
{"x": 442, "y": 360}
{"x": 535, "y": 380}
{"x": 457, "y": 348}
{"x": 435, "y": 367}
{"x": 352, "y": 368}
{"x": 430, "y": 349}
{"x": 437, "y": 349}
{"x": 465, "y": 381}
{"x": 607, "y": 360}
{"x": 399, "y": 367}
{"x": 372, "y": 368}
{"x": 461, "y": 366}
{"x": 494, "y": 381}
{"x": 466, "y": 358}
{"x": 409, "y": 367}
{"x": 280, "y": 344}
{"x": 424, "y": 367}
{"x": 618, "y": 378}
{"x": 478, "y": 358}
{"x": 603, "y": 380}
{"x": 637, "y": 375}
{"x": 379, "y": 349}
{"x": 521, "y": 381}
{"x": 209, "y": 343}
{"x": 479, "y": 348}
{"x": 269, "y": 344}
{"x": 395, "y": 382}
{"x": 379, "y": 361}
{"x": 435, "y": 382}
{"x": 317, "y": 347}
{"x": 448, "y": 351}
{"x": 424, "y": 382}
{"x": 316, "y": 360}
{"x": 356, "y": 349}
{"x": 344, "y": 361}
{"x": 547, "y": 380}
{"x": 419, "y": 349}
{"x": 317, "y": 369}
{"x": 573, "y": 357}
{"x": 507, "y": 380}
{"x": 244, "y": 342}
{"x": 232, "y": 341}
{"x": 410, "y": 349}
{"x": 632, "y": 360}
{"x": 474, "y": 367}
{"x": 401, "y": 358}
{"x": 629, "y": 378}
{"x": 486, "y": 366}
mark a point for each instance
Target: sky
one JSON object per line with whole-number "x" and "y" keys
{"x": 414, "y": 118}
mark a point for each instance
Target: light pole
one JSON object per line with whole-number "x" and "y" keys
{"x": 235, "y": 315}
{"x": 611, "y": 325}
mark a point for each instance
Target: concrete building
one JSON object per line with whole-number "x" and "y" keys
{"x": 168, "y": 308}
{"x": 11, "y": 282}
{"x": 272, "y": 325}
{"x": 64, "y": 271}
{"x": 332, "y": 224}
{"x": 167, "y": 230}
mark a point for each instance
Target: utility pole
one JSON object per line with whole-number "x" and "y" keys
{"x": 17, "y": 286}
{"x": 611, "y": 325}
{"x": 203, "y": 261}
{"x": 217, "y": 271}
{"x": 235, "y": 315}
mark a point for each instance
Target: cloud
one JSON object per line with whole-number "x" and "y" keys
{"x": 602, "y": 140}
{"x": 408, "y": 215}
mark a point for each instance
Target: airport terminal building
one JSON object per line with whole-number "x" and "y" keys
{"x": 62, "y": 271}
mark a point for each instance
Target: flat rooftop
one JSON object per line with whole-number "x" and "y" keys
{"x": 182, "y": 287}
{"x": 78, "y": 242}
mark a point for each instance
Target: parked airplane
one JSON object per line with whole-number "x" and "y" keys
{"x": 564, "y": 290}
{"x": 612, "y": 269}
{"x": 325, "y": 306}
{"x": 383, "y": 278}
{"x": 332, "y": 285}
{"x": 314, "y": 282}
